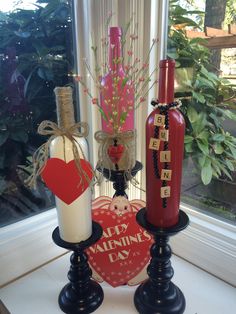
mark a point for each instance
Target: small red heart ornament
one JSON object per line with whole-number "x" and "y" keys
{"x": 64, "y": 180}
{"x": 123, "y": 250}
{"x": 115, "y": 152}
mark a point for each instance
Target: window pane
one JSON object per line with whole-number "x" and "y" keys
{"x": 35, "y": 56}
{"x": 205, "y": 81}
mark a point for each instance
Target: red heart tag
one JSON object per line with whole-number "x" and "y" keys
{"x": 115, "y": 152}
{"x": 123, "y": 251}
{"x": 64, "y": 180}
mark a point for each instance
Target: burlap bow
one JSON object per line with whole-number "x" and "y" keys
{"x": 102, "y": 136}
{"x": 124, "y": 138}
{"x": 41, "y": 155}
{"x": 104, "y": 139}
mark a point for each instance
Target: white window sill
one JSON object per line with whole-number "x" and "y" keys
{"x": 208, "y": 243}
{"x": 38, "y": 292}
{"x": 26, "y": 245}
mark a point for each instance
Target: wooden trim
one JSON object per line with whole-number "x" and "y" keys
{"x": 216, "y": 38}
{"x": 232, "y": 29}
{"x": 195, "y": 34}
{"x": 221, "y": 42}
{"x": 215, "y": 32}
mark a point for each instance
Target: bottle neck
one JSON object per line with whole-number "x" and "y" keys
{"x": 65, "y": 108}
{"x": 115, "y": 53}
{"x": 166, "y": 81}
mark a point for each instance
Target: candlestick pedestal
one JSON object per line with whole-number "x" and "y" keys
{"x": 120, "y": 178}
{"x": 82, "y": 294}
{"x": 158, "y": 295}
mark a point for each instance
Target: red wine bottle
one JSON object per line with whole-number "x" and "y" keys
{"x": 165, "y": 128}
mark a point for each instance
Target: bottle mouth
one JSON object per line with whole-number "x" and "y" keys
{"x": 167, "y": 63}
{"x": 115, "y": 31}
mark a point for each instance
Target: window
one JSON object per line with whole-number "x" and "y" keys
{"x": 207, "y": 89}
{"x": 208, "y": 242}
{"x": 35, "y": 56}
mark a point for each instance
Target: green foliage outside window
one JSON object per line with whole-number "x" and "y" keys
{"x": 207, "y": 101}
{"x": 35, "y": 56}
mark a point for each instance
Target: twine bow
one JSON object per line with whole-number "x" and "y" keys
{"x": 40, "y": 156}
{"x": 103, "y": 137}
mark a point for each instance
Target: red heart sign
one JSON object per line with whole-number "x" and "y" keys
{"x": 123, "y": 250}
{"x": 64, "y": 180}
{"x": 115, "y": 152}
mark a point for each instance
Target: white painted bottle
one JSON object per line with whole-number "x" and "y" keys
{"x": 74, "y": 220}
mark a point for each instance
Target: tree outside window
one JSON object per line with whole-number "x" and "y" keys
{"x": 36, "y": 55}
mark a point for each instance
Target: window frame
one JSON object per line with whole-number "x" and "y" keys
{"x": 208, "y": 243}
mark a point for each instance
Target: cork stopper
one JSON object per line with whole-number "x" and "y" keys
{"x": 65, "y": 108}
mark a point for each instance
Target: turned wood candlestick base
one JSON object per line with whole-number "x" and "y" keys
{"x": 82, "y": 294}
{"x": 158, "y": 295}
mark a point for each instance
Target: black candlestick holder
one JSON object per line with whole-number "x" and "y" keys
{"x": 82, "y": 294}
{"x": 120, "y": 178}
{"x": 158, "y": 295}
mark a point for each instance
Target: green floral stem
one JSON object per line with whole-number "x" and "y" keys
{"x": 138, "y": 93}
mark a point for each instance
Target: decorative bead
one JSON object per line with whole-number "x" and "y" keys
{"x": 162, "y": 120}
